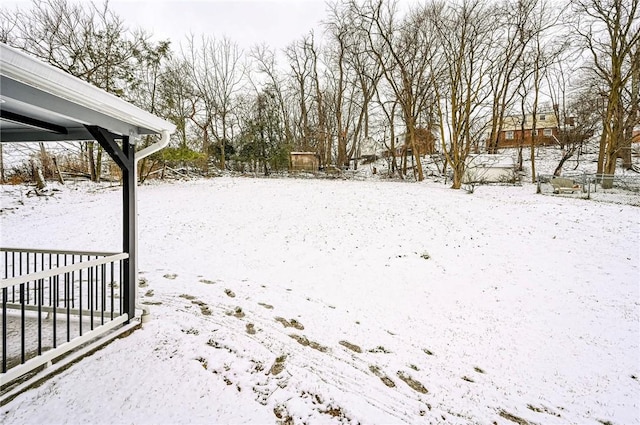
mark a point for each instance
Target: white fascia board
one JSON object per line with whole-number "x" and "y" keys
{"x": 21, "y": 67}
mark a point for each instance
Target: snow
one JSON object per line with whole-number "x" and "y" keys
{"x": 403, "y": 303}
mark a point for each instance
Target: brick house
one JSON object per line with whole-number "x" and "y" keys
{"x": 546, "y": 132}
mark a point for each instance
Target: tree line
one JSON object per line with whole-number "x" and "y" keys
{"x": 436, "y": 76}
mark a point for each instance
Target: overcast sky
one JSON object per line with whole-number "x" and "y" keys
{"x": 274, "y": 22}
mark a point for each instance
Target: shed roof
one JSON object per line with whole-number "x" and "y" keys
{"x": 39, "y": 102}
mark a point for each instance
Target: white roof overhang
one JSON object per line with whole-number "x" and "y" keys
{"x": 39, "y": 102}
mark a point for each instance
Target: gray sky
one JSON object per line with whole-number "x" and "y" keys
{"x": 274, "y": 22}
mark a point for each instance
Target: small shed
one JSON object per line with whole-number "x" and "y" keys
{"x": 486, "y": 168}
{"x": 304, "y": 161}
{"x": 53, "y": 302}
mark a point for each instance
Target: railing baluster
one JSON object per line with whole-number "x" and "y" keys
{"x": 80, "y": 298}
{"x": 91, "y": 296}
{"x": 73, "y": 285}
{"x": 97, "y": 288}
{"x": 50, "y": 281}
{"x": 28, "y": 270}
{"x": 68, "y": 304}
{"x": 121, "y": 288}
{"x": 55, "y": 312}
{"x": 112, "y": 283}
{"x": 5, "y": 294}
{"x": 40, "y": 301}
{"x": 103, "y": 302}
{"x": 35, "y": 269}
{"x": 13, "y": 274}
{"x": 22, "y": 324}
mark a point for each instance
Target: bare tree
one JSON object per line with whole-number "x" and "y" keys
{"x": 217, "y": 73}
{"x": 321, "y": 130}
{"x": 338, "y": 29}
{"x": 404, "y": 49}
{"x": 512, "y": 20}
{"x": 300, "y": 65}
{"x": 265, "y": 60}
{"x": 353, "y": 79}
{"x": 576, "y": 110}
{"x": 461, "y": 78}
{"x": 610, "y": 31}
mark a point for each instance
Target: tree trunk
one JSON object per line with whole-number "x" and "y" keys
{"x": 98, "y": 168}
{"x": 90, "y": 160}
{"x": 414, "y": 150}
{"x": 520, "y": 159}
{"x": 609, "y": 170}
{"x": 632, "y": 116}
{"x": 566, "y": 155}
{"x": 37, "y": 176}
{"x": 45, "y": 165}
{"x": 57, "y": 169}
{"x": 458, "y": 172}
{"x": 1, "y": 165}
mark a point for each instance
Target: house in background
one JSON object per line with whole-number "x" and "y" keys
{"x": 425, "y": 143}
{"x": 515, "y": 133}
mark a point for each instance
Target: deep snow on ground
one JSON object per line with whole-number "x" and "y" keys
{"x": 331, "y": 301}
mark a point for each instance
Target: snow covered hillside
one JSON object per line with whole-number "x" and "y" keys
{"x": 330, "y": 301}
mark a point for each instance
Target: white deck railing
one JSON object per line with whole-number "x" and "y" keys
{"x": 55, "y": 301}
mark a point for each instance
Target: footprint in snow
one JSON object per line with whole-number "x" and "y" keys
{"x": 302, "y": 340}
{"x": 237, "y": 313}
{"x": 170, "y": 276}
{"x": 379, "y": 349}
{"x": 384, "y": 378}
{"x": 412, "y": 383}
{"x": 204, "y": 308}
{"x": 207, "y": 281}
{"x": 278, "y": 365}
{"x": 292, "y": 323}
{"x": 351, "y": 346}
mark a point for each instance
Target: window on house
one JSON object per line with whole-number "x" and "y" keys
{"x": 548, "y": 132}
{"x": 542, "y": 117}
{"x": 509, "y": 135}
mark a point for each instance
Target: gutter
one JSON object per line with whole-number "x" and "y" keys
{"x": 143, "y": 153}
{"x": 164, "y": 141}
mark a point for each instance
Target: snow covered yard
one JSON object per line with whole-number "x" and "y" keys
{"x": 315, "y": 301}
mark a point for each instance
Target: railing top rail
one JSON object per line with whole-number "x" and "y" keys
{"x": 56, "y": 251}
{"x": 12, "y": 281}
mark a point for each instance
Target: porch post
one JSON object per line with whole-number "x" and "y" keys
{"x": 129, "y": 227}
{"x": 125, "y": 158}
